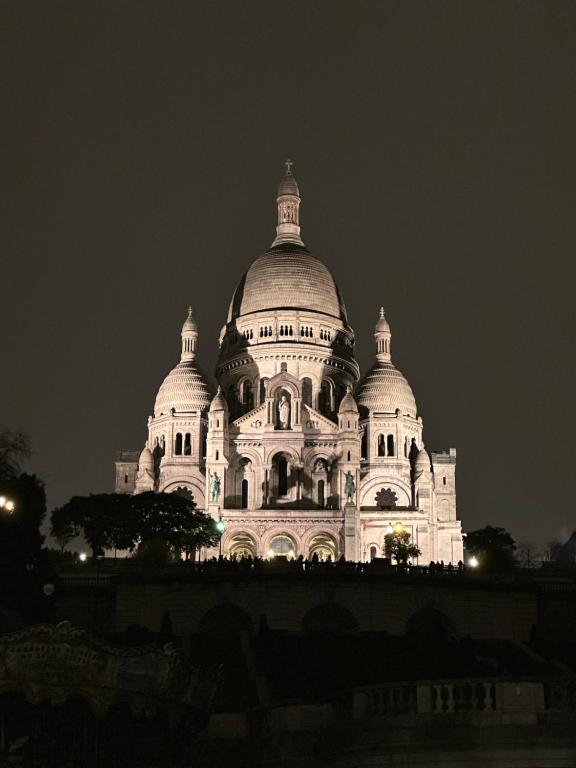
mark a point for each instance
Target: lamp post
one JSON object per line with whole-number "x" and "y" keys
{"x": 220, "y": 526}
{"x": 7, "y": 504}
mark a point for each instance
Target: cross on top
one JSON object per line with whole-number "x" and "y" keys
{"x": 289, "y": 163}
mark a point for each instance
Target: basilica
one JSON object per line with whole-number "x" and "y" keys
{"x": 296, "y": 453}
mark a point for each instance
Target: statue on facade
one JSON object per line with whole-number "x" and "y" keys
{"x": 214, "y": 487}
{"x": 349, "y": 488}
{"x": 284, "y": 412}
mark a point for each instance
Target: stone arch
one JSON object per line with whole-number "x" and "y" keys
{"x": 197, "y": 488}
{"x": 371, "y": 487}
{"x": 329, "y": 617}
{"x": 276, "y": 533}
{"x": 246, "y": 452}
{"x": 287, "y": 449}
{"x": 240, "y": 542}
{"x": 431, "y": 621}
{"x": 284, "y": 380}
{"x": 318, "y": 541}
{"x": 225, "y": 619}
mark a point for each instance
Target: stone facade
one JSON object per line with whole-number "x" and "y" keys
{"x": 295, "y": 452}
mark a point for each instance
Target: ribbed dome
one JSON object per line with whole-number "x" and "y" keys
{"x": 288, "y": 186}
{"x": 146, "y": 460}
{"x": 348, "y": 403}
{"x": 184, "y": 389}
{"x": 423, "y": 460}
{"x": 385, "y": 389}
{"x": 287, "y": 276}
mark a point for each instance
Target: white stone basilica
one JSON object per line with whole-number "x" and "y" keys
{"x": 295, "y": 452}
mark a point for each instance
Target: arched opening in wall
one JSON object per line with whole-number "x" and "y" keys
{"x": 204, "y": 442}
{"x": 242, "y": 545}
{"x": 246, "y": 396}
{"x": 381, "y": 445}
{"x": 364, "y": 446}
{"x": 323, "y": 546}
{"x": 373, "y": 552}
{"x": 282, "y": 476}
{"x": 225, "y": 619}
{"x": 321, "y": 494}
{"x": 431, "y": 621}
{"x": 244, "y": 500}
{"x": 263, "y": 387}
{"x": 390, "y": 445}
{"x": 307, "y": 391}
{"x": 325, "y": 398}
{"x": 339, "y": 395}
{"x": 282, "y": 546}
{"x": 329, "y": 617}
{"x": 188, "y": 444}
{"x": 178, "y": 444}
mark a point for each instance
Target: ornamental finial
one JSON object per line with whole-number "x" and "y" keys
{"x": 288, "y": 163}
{"x": 382, "y": 312}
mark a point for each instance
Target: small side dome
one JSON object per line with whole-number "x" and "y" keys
{"x": 423, "y": 460}
{"x": 146, "y": 460}
{"x": 218, "y": 402}
{"x": 348, "y": 404}
{"x": 190, "y": 322}
{"x": 382, "y": 325}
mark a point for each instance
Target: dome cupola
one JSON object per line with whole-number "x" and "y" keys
{"x": 146, "y": 460}
{"x": 348, "y": 404}
{"x": 288, "y": 202}
{"x": 218, "y": 402}
{"x": 189, "y": 337}
{"x": 184, "y": 390}
{"x": 384, "y": 389}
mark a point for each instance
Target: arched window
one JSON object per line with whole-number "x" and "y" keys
{"x": 282, "y": 476}
{"x": 405, "y": 447}
{"x": 188, "y": 444}
{"x": 246, "y": 396}
{"x": 325, "y": 398}
{"x": 381, "y": 445}
{"x": 307, "y": 391}
{"x": 365, "y": 444}
{"x": 348, "y": 456}
{"x": 321, "y": 500}
{"x": 263, "y": 384}
{"x": 390, "y": 445}
{"x": 373, "y": 552}
{"x": 244, "y": 494}
{"x": 178, "y": 444}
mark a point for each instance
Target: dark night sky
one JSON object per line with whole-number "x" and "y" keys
{"x": 434, "y": 145}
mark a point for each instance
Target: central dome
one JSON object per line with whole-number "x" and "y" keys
{"x": 287, "y": 276}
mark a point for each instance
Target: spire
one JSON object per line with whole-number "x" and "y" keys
{"x": 383, "y": 338}
{"x": 288, "y": 201}
{"x": 189, "y": 337}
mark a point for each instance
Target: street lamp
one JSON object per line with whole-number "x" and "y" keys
{"x": 220, "y": 526}
{"x": 473, "y": 562}
{"x": 7, "y": 504}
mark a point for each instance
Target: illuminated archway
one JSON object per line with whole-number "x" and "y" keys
{"x": 324, "y": 546}
{"x": 242, "y": 545}
{"x": 282, "y": 546}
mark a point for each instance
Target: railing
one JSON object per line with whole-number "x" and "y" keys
{"x": 514, "y": 698}
{"x": 463, "y": 696}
